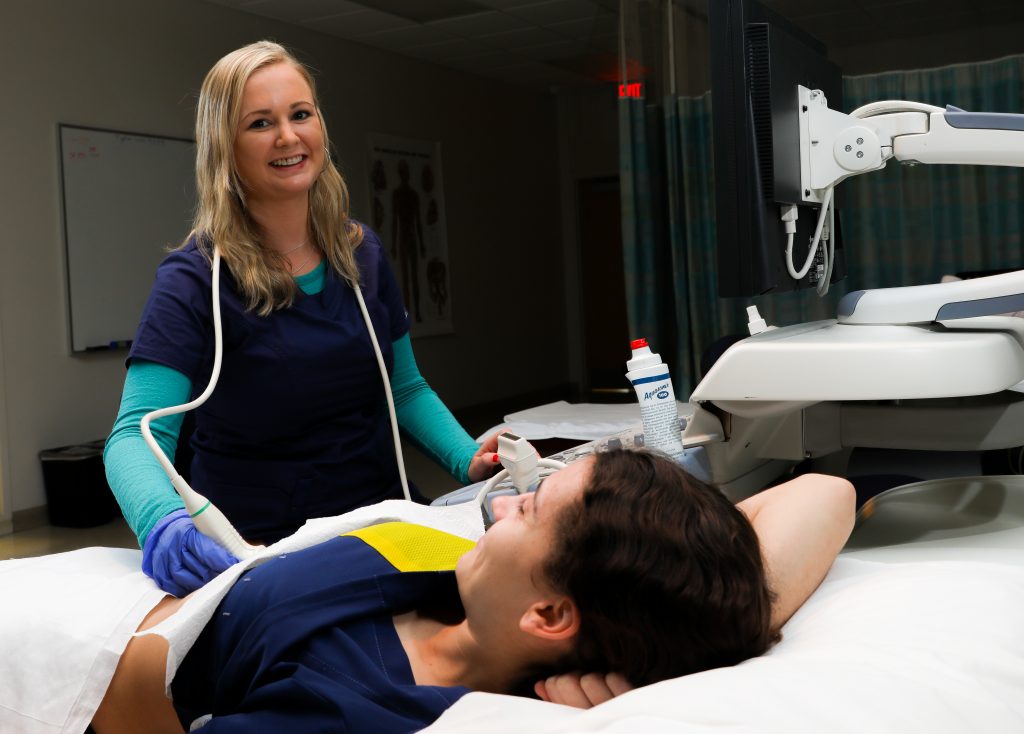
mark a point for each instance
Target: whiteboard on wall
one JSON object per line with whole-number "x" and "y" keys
{"x": 126, "y": 199}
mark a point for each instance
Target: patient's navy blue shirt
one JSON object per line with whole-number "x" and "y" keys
{"x": 297, "y": 426}
{"x": 306, "y": 643}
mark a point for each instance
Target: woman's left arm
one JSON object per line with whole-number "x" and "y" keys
{"x": 802, "y": 525}
{"x": 431, "y": 426}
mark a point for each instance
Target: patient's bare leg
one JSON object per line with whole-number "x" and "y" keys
{"x": 135, "y": 700}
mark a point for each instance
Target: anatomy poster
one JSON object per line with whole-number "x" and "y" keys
{"x": 407, "y": 202}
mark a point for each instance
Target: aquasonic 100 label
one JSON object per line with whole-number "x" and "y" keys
{"x": 658, "y": 409}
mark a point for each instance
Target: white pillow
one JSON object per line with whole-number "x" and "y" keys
{"x": 907, "y": 647}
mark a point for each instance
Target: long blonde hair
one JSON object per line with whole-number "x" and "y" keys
{"x": 221, "y": 215}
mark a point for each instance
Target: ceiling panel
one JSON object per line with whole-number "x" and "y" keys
{"x": 542, "y": 39}
{"x": 358, "y": 26}
{"x": 537, "y": 75}
{"x": 444, "y": 50}
{"x": 531, "y": 36}
{"x": 506, "y": 4}
{"x": 557, "y": 50}
{"x": 597, "y": 25}
{"x": 557, "y": 11}
{"x": 301, "y": 11}
{"x": 489, "y": 60}
{"x": 481, "y": 24}
{"x": 412, "y": 36}
{"x": 425, "y": 12}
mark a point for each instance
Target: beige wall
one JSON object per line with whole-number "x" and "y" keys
{"x": 135, "y": 65}
{"x": 5, "y": 499}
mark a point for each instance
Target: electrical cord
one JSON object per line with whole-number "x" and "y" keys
{"x": 822, "y": 214}
{"x": 830, "y": 253}
{"x": 828, "y": 203}
{"x": 208, "y": 519}
{"x": 490, "y": 484}
{"x": 387, "y": 392}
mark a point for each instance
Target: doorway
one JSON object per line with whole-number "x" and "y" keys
{"x": 602, "y": 290}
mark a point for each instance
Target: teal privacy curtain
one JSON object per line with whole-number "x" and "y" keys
{"x": 901, "y": 226}
{"x": 907, "y": 225}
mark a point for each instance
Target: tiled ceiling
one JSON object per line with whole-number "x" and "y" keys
{"x": 840, "y": 23}
{"x": 551, "y": 44}
{"x": 569, "y": 43}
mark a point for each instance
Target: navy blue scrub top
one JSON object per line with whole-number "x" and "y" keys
{"x": 297, "y": 426}
{"x": 306, "y": 643}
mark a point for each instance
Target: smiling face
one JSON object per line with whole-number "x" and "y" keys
{"x": 279, "y": 142}
{"x": 502, "y": 576}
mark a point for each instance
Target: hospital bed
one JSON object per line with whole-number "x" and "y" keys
{"x": 915, "y": 628}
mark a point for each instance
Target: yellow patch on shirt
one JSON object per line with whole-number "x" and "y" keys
{"x": 410, "y": 547}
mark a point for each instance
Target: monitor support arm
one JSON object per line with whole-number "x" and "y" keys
{"x": 835, "y": 146}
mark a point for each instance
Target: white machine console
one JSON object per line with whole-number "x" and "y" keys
{"x": 893, "y": 357}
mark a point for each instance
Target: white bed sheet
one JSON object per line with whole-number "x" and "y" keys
{"x": 66, "y": 618}
{"x": 891, "y": 643}
{"x": 64, "y": 621}
{"x": 921, "y": 635}
{"x": 930, "y": 647}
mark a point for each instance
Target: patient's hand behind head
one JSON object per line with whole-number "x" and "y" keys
{"x": 666, "y": 572}
{"x": 581, "y": 690}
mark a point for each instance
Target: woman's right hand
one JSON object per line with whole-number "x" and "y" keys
{"x": 485, "y": 461}
{"x": 179, "y": 558}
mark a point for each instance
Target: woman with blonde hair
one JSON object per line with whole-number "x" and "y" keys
{"x": 298, "y": 425}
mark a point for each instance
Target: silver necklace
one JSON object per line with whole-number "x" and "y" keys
{"x": 297, "y": 247}
{"x": 301, "y": 265}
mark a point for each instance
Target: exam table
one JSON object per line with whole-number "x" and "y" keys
{"x": 915, "y": 628}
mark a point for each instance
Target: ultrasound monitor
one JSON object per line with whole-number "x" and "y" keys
{"x": 758, "y": 59}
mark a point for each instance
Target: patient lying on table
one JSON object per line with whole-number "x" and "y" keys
{"x": 622, "y": 565}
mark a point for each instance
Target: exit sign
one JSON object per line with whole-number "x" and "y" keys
{"x": 634, "y": 90}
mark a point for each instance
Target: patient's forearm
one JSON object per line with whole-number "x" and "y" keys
{"x": 802, "y": 525}
{"x": 135, "y": 699}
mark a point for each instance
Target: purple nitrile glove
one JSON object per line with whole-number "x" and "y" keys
{"x": 179, "y": 557}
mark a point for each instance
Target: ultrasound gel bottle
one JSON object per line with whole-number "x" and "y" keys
{"x": 658, "y": 410}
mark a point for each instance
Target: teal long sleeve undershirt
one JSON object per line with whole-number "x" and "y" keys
{"x": 133, "y": 473}
{"x": 425, "y": 420}
{"x": 146, "y": 495}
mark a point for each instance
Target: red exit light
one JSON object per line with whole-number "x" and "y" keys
{"x": 632, "y": 90}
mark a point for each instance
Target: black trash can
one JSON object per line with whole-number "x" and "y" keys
{"x": 77, "y": 494}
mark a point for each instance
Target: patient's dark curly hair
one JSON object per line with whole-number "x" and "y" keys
{"x": 666, "y": 572}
